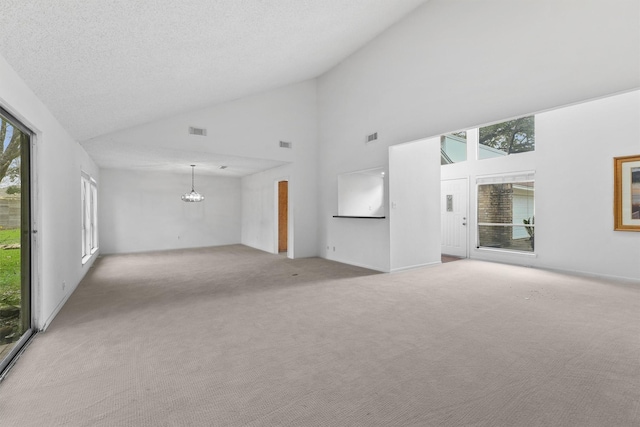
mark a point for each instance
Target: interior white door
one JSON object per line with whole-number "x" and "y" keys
{"x": 454, "y": 204}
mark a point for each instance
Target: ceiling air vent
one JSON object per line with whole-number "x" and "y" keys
{"x": 372, "y": 137}
{"x": 197, "y": 131}
{"x": 285, "y": 144}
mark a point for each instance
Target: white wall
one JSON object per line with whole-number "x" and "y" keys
{"x": 58, "y": 162}
{"x": 574, "y": 186}
{"x": 573, "y": 165}
{"x": 251, "y": 127}
{"x": 414, "y": 198}
{"x": 420, "y": 79}
{"x": 142, "y": 211}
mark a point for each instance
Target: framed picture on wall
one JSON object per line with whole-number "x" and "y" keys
{"x": 626, "y": 193}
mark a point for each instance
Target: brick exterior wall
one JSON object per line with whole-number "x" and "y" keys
{"x": 495, "y": 206}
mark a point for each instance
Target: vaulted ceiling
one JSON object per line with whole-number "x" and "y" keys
{"x": 102, "y": 66}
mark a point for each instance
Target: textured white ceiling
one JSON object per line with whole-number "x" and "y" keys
{"x": 106, "y": 65}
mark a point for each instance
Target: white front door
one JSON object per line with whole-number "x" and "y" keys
{"x": 454, "y": 197}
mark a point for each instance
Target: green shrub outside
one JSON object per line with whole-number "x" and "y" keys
{"x": 10, "y": 268}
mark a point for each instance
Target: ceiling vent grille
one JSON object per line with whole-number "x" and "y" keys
{"x": 285, "y": 144}
{"x": 372, "y": 137}
{"x": 197, "y": 131}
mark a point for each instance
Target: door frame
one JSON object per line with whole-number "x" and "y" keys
{"x": 467, "y": 227}
{"x": 289, "y": 217}
{"x": 32, "y": 221}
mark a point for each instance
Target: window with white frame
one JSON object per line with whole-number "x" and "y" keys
{"x": 506, "y": 138}
{"x": 89, "y": 216}
{"x": 453, "y": 148}
{"x": 506, "y": 215}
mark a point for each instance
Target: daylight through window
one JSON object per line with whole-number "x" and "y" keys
{"x": 510, "y": 137}
{"x": 89, "y": 216}
{"x": 453, "y": 148}
{"x": 506, "y": 216}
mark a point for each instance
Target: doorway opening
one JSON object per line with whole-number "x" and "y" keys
{"x": 15, "y": 238}
{"x": 283, "y": 216}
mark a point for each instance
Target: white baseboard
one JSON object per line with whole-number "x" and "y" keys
{"x": 43, "y": 327}
{"x": 411, "y": 267}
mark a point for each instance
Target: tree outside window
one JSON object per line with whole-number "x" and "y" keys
{"x": 510, "y": 137}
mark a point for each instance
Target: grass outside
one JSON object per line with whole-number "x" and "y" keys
{"x": 10, "y": 268}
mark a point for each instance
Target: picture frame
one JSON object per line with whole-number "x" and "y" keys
{"x": 626, "y": 193}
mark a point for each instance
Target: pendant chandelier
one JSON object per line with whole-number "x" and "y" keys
{"x": 193, "y": 196}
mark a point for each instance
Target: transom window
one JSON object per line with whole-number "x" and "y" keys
{"x": 510, "y": 137}
{"x": 453, "y": 148}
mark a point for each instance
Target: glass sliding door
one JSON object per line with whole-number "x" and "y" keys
{"x": 15, "y": 238}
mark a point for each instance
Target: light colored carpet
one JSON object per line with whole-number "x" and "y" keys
{"x": 231, "y": 336}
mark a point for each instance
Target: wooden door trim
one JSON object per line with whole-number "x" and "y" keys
{"x": 283, "y": 215}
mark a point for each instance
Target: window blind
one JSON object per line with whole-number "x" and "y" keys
{"x": 526, "y": 176}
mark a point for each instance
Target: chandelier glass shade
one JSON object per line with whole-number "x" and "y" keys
{"x": 193, "y": 195}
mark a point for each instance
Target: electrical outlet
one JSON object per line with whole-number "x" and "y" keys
{"x": 334, "y": 249}
{"x": 64, "y": 285}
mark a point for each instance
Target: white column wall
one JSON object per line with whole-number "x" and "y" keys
{"x": 414, "y": 199}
